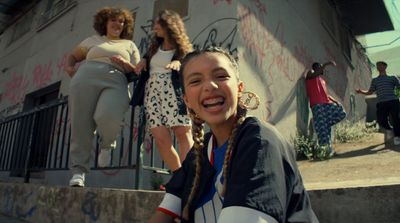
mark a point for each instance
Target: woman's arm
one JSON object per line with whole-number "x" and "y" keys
{"x": 78, "y": 54}
{"x": 161, "y": 217}
{"x": 122, "y": 62}
{"x": 140, "y": 66}
{"x": 333, "y": 63}
{"x": 365, "y": 92}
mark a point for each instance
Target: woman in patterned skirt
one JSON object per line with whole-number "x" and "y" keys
{"x": 162, "y": 99}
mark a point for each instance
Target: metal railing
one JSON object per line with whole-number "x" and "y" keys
{"x": 39, "y": 140}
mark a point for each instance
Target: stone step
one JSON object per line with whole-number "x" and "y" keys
{"x": 48, "y": 204}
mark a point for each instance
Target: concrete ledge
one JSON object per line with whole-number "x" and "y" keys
{"x": 374, "y": 204}
{"x": 38, "y": 203}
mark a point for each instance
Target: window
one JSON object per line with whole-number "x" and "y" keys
{"x": 179, "y": 6}
{"x": 329, "y": 19}
{"x": 54, "y": 9}
{"x": 21, "y": 27}
{"x": 345, "y": 43}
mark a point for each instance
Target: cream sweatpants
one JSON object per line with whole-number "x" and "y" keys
{"x": 98, "y": 100}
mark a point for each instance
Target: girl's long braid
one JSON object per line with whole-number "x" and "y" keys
{"x": 231, "y": 144}
{"x": 197, "y": 128}
{"x": 198, "y": 137}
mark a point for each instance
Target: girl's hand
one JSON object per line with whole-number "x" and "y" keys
{"x": 174, "y": 65}
{"x": 70, "y": 70}
{"x": 140, "y": 66}
{"x": 119, "y": 60}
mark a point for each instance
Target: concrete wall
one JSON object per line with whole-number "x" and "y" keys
{"x": 275, "y": 42}
{"x": 34, "y": 203}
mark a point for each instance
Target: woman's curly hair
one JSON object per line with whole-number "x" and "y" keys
{"x": 106, "y": 13}
{"x": 176, "y": 31}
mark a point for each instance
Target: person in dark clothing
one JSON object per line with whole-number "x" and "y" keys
{"x": 388, "y": 103}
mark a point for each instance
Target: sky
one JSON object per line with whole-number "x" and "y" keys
{"x": 385, "y": 45}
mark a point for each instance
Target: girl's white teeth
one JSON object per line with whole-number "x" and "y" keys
{"x": 213, "y": 102}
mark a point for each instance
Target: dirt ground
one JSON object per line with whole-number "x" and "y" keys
{"x": 367, "y": 162}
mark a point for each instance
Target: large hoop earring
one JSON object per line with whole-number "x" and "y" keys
{"x": 245, "y": 101}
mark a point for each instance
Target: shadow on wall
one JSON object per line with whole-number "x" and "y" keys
{"x": 299, "y": 94}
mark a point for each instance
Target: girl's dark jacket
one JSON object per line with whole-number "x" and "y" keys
{"x": 262, "y": 175}
{"x": 138, "y": 92}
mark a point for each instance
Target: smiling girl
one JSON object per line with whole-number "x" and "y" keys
{"x": 98, "y": 91}
{"x": 243, "y": 170}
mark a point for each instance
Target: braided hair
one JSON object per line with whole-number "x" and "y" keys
{"x": 198, "y": 128}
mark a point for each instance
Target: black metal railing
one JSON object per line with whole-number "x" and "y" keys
{"x": 39, "y": 140}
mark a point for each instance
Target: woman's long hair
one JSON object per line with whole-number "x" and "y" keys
{"x": 172, "y": 22}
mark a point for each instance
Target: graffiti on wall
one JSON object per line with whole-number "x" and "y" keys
{"x": 211, "y": 36}
{"x": 269, "y": 50}
{"x": 144, "y": 42}
{"x": 25, "y": 212}
{"x": 15, "y": 88}
{"x": 90, "y": 206}
{"x": 41, "y": 76}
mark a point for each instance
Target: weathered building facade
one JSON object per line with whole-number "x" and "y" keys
{"x": 275, "y": 41}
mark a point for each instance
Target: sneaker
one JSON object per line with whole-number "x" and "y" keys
{"x": 388, "y": 135}
{"x": 104, "y": 158}
{"x": 325, "y": 152}
{"x": 77, "y": 180}
{"x": 396, "y": 141}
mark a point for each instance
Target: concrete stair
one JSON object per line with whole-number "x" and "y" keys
{"x": 41, "y": 204}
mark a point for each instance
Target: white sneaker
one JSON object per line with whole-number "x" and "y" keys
{"x": 388, "y": 135}
{"x": 77, "y": 180}
{"x": 396, "y": 141}
{"x": 104, "y": 158}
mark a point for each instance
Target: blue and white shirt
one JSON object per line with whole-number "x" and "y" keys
{"x": 384, "y": 86}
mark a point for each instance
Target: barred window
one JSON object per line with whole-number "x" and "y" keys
{"x": 54, "y": 9}
{"x": 21, "y": 27}
{"x": 329, "y": 19}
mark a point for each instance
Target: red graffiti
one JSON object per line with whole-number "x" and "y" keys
{"x": 61, "y": 63}
{"x": 257, "y": 40}
{"x": 280, "y": 58}
{"x": 15, "y": 88}
{"x": 42, "y": 75}
{"x": 302, "y": 56}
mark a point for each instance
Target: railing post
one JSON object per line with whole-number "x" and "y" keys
{"x": 141, "y": 130}
{"x": 27, "y": 171}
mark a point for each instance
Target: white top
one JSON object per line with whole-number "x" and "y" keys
{"x": 101, "y": 49}
{"x": 160, "y": 60}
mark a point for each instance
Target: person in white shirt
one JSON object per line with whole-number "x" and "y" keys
{"x": 159, "y": 88}
{"x": 98, "y": 91}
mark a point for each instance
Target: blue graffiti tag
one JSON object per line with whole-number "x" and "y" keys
{"x": 90, "y": 207}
